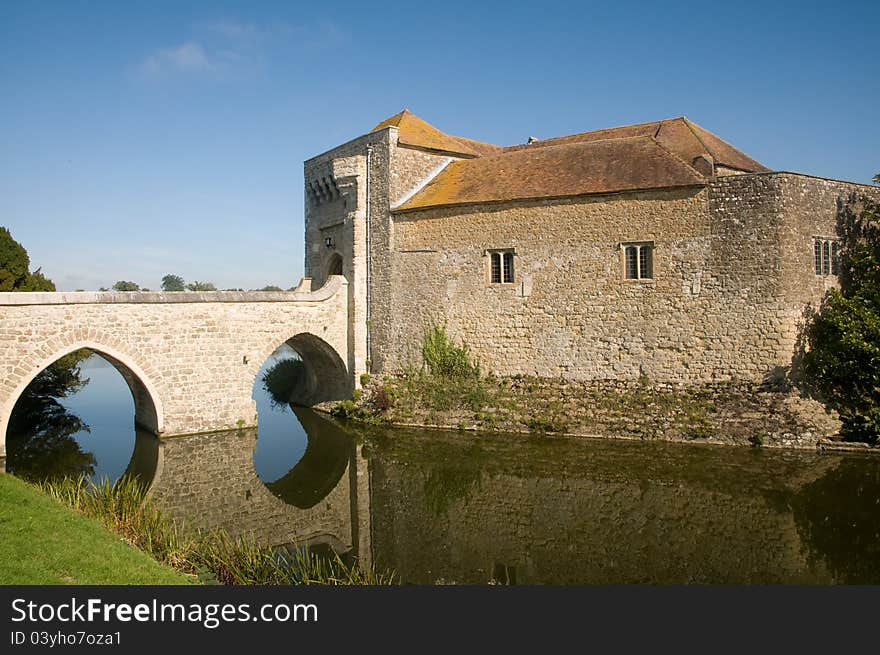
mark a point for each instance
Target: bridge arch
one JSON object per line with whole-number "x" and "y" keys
{"x": 149, "y": 412}
{"x": 325, "y": 375}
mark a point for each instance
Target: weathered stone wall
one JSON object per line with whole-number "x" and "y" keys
{"x": 191, "y": 358}
{"x": 811, "y": 207}
{"x": 731, "y": 265}
{"x": 412, "y": 168}
{"x": 360, "y": 170}
{"x": 727, "y": 413}
{"x": 340, "y": 218}
{"x": 767, "y": 222}
{"x": 724, "y": 170}
{"x": 570, "y": 312}
{"x": 371, "y": 173}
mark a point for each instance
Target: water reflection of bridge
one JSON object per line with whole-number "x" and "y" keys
{"x": 208, "y": 481}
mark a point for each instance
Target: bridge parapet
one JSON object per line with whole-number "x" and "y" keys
{"x": 300, "y": 294}
{"x": 190, "y": 358}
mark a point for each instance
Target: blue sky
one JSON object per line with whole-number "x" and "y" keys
{"x": 139, "y": 139}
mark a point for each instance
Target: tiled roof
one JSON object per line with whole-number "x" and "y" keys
{"x": 564, "y": 169}
{"x": 681, "y": 136}
{"x": 660, "y": 154}
{"x": 413, "y": 131}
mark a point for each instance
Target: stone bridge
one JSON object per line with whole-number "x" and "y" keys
{"x": 190, "y": 359}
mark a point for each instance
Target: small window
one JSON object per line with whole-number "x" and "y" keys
{"x": 638, "y": 261}
{"x": 501, "y": 266}
{"x": 826, "y": 256}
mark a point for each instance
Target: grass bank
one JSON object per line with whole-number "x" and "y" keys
{"x": 42, "y": 542}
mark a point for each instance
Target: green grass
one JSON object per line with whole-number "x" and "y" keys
{"x": 43, "y": 542}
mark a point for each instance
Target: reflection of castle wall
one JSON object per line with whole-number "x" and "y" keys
{"x": 208, "y": 481}
{"x": 583, "y": 525}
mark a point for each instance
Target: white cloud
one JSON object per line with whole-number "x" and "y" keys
{"x": 189, "y": 57}
{"x": 229, "y": 48}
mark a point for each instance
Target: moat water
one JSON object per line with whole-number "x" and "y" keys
{"x": 443, "y": 507}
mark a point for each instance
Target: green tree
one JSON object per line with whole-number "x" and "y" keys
{"x": 201, "y": 286}
{"x": 122, "y": 285}
{"x": 270, "y": 287}
{"x": 841, "y": 364}
{"x": 173, "y": 283}
{"x": 14, "y": 265}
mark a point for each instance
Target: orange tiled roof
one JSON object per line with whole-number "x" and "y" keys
{"x": 558, "y": 170}
{"x": 654, "y": 155}
{"x": 681, "y": 136}
{"x": 413, "y": 131}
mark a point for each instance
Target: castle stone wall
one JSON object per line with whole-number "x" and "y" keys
{"x": 732, "y": 275}
{"x": 570, "y": 311}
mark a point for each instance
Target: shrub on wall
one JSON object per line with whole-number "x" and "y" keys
{"x": 445, "y": 359}
{"x": 841, "y": 364}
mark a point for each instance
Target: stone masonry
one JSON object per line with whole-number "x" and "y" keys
{"x": 190, "y": 359}
{"x": 733, "y": 275}
{"x": 733, "y": 270}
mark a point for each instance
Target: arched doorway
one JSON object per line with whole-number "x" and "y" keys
{"x": 334, "y": 266}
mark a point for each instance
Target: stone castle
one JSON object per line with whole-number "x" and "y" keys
{"x": 653, "y": 251}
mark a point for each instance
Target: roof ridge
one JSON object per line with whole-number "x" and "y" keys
{"x": 523, "y": 147}
{"x": 416, "y": 132}
{"x": 694, "y": 127}
{"x": 606, "y": 129}
{"x": 702, "y": 143}
{"x": 677, "y": 156}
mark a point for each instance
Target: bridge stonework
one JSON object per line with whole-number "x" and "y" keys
{"x": 190, "y": 359}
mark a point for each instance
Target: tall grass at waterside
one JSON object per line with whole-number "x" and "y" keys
{"x": 212, "y": 556}
{"x": 448, "y": 379}
{"x": 122, "y": 508}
